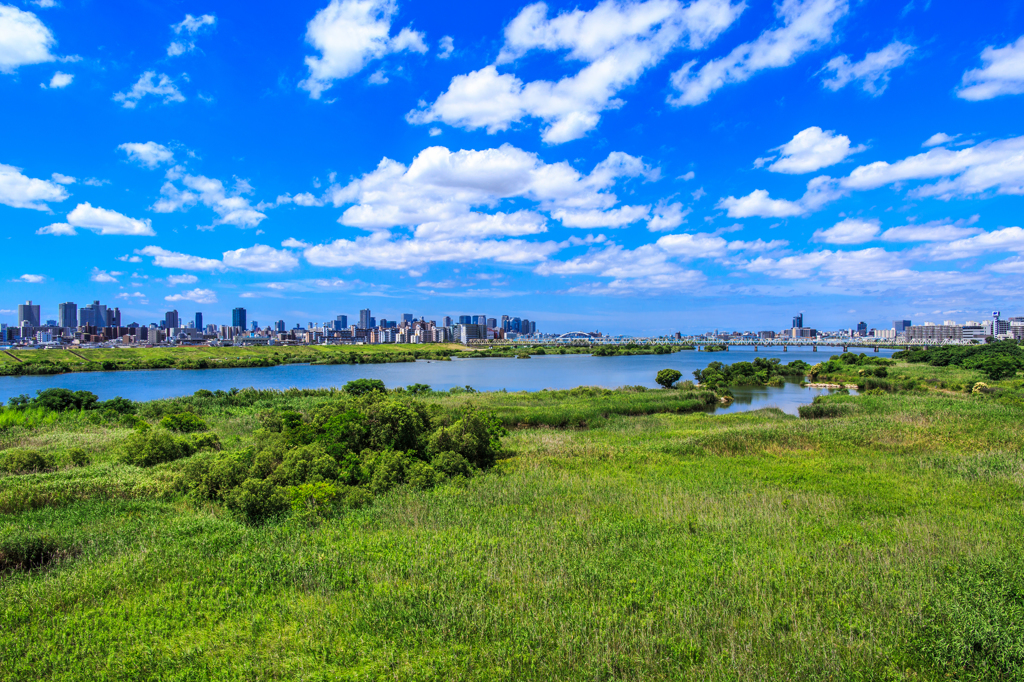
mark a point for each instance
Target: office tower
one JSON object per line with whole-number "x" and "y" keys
{"x": 28, "y": 314}
{"x": 171, "y": 319}
{"x": 465, "y": 319}
{"x": 364, "y": 319}
{"x": 238, "y": 318}
{"x": 901, "y": 326}
{"x": 373, "y": 323}
{"x": 480, "y": 319}
{"x": 798, "y": 321}
{"x": 343, "y": 319}
{"x": 862, "y": 328}
{"x": 281, "y": 326}
{"x": 199, "y": 320}
{"x": 447, "y": 321}
{"x": 533, "y": 327}
{"x": 407, "y": 317}
{"x": 524, "y": 326}
{"x": 114, "y": 317}
{"x": 67, "y": 315}
{"x": 514, "y": 324}
{"x": 255, "y": 325}
{"x": 492, "y": 323}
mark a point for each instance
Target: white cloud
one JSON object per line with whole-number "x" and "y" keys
{"x": 849, "y": 231}
{"x": 480, "y": 225}
{"x": 688, "y": 176}
{"x": 103, "y": 276}
{"x": 934, "y": 231}
{"x": 31, "y": 279}
{"x": 668, "y": 217}
{"x": 149, "y": 85}
{"x": 58, "y": 229}
{"x": 758, "y": 204}
{"x": 617, "y": 41}
{"x": 24, "y": 39}
{"x": 1008, "y": 239}
{"x": 350, "y": 33}
{"x": 196, "y": 296}
{"x": 593, "y": 218}
{"x": 60, "y": 80}
{"x": 872, "y": 71}
{"x": 1011, "y": 266}
{"x": 149, "y": 154}
{"x": 20, "y": 191}
{"x": 989, "y": 165}
{"x": 179, "y": 261}
{"x": 231, "y": 207}
{"x": 377, "y": 78}
{"x": 937, "y": 139}
{"x": 691, "y": 246}
{"x": 293, "y": 243}
{"x": 128, "y": 258}
{"x": 435, "y": 131}
{"x": 175, "y": 280}
{"x": 45, "y": 4}
{"x": 63, "y": 179}
{"x": 107, "y": 222}
{"x": 812, "y": 149}
{"x": 190, "y": 26}
{"x": 806, "y": 25}
{"x": 447, "y": 45}
{"x": 260, "y": 258}
{"x": 1002, "y": 73}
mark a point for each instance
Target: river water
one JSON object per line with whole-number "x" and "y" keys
{"x": 483, "y": 374}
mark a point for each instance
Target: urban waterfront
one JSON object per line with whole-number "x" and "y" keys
{"x": 483, "y": 374}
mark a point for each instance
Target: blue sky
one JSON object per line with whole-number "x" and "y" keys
{"x": 633, "y": 167}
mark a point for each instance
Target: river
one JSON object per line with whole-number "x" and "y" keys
{"x": 483, "y": 374}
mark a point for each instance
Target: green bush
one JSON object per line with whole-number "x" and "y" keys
{"x": 23, "y": 461}
{"x": 364, "y": 386}
{"x": 152, "y": 447}
{"x": 257, "y": 500}
{"x": 667, "y": 377}
{"x": 476, "y": 437}
{"x": 79, "y": 457}
{"x": 183, "y": 422}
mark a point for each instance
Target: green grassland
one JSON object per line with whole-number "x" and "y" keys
{"x": 621, "y": 535}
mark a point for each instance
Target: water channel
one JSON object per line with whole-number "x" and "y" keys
{"x": 484, "y": 374}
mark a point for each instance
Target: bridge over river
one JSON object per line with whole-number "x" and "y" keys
{"x": 576, "y": 339}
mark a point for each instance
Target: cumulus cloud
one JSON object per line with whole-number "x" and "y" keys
{"x": 1008, "y": 239}
{"x": 447, "y": 46}
{"x": 293, "y": 243}
{"x": 150, "y": 84}
{"x": 59, "y": 80}
{"x": 668, "y": 217}
{"x": 103, "y": 276}
{"x": 149, "y": 154}
{"x": 349, "y": 34}
{"x": 20, "y": 191}
{"x": 810, "y": 150}
{"x": 872, "y": 72}
{"x": 188, "y": 27}
{"x": 58, "y": 229}
{"x": 63, "y": 179}
{"x": 30, "y": 279}
{"x": 1002, "y": 73}
{"x": 806, "y": 25}
{"x": 230, "y": 206}
{"x": 102, "y": 221}
{"x": 260, "y": 258}
{"x": 617, "y": 42}
{"x": 175, "y": 280}
{"x": 849, "y": 231}
{"x": 758, "y": 204}
{"x": 195, "y": 295}
{"x": 179, "y": 261}
{"x": 593, "y": 218}
{"x": 24, "y": 39}
{"x": 933, "y": 231}
{"x": 938, "y": 139}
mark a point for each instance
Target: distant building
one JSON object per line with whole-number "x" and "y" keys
{"x": 67, "y": 315}
{"x": 171, "y": 319}
{"x": 798, "y": 320}
{"x": 341, "y": 322}
{"x": 933, "y": 333}
{"x": 238, "y": 316}
{"x": 255, "y": 326}
{"x": 862, "y": 329}
{"x": 407, "y": 317}
{"x": 282, "y": 328}
{"x": 480, "y": 319}
{"x": 28, "y": 315}
{"x": 901, "y": 326}
{"x": 492, "y": 323}
{"x": 199, "y": 320}
{"x": 364, "y": 319}
{"x": 447, "y": 321}
{"x": 465, "y": 319}
{"x": 471, "y": 332}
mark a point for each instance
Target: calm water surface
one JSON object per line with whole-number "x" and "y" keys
{"x": 483, "y": 374}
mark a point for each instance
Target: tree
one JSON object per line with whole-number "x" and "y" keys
{"x": 998, "y": 367}
{"x": 667, "y": 377}
{"x": 363, "y": 386}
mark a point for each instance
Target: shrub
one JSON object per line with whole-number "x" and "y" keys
{"x": 79, "y": 457}
{"x": 667, "y": 377}
{"x": 389, "y": 470}
{"x": 418, "y": 389}
{"x": 452, "y": 464}
{"x": 204, "y": 441}
{"x": 257, "y": 501}
{"x": 118, "y": 405}
{"x": 62, "y": 399}
{"x": 23, "y": 460}
{"x": 476, "y": 437}
{"x": 421, "y": 475}
{"x": 152, "y": 447}
{"x": 184, "y": 422}
{"x": 364, "y": 386}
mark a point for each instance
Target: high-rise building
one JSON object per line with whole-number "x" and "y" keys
{"x": 901, "y": 326}
{"x": 114, "y": 317}
{"x": 199, "y": 320}
{"x": 28, "y": 315}
{"x": 364, "y": 319}
{"x": 798, "y": 320}
{"x": 67, "y": 314}
{"x": 480, "y": 319}
{"x": 373, "y": 323}
{"x": 492, "y": 323}
{"x": 465, "y": 319}
{"x": 862, "y": 328}
{"x": 281, "y": 329}
{"x": 255, "y": 325}
{"x": 238, "y": 318}
{"x": 171, "y": 319}
{"x": 343, "y": 319}
{"x": 514, "y": 325}
{"x": 447, "y": 321}
{"x": 407, "y": 317}
{"x": 524, "y": 326}
{"x": 94, "y": 315}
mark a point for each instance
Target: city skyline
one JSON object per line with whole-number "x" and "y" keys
{"x": 634, "y": 167}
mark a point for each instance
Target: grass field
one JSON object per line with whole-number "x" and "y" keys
{"x": 617, "y": 539}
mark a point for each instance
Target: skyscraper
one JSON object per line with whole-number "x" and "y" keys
{"x": 480, "y": 319}
{"x": 255, "y": 325}
{"x": 407, "y": 317}
{"x": 171, "y": 319}
{"x": 364, "y": 318}
{"x": 798, "y": 320}
{"x": 238, "y": 318}
{"x": 465, "y": 319}
{"x": 862, "y": 328}
{"x": 281, "y": 326}
{"x": 67, "y": 315}
{"x": 199, "y": 320}
{"x": 447, "y": 321}
{"x": 113, "y": 317}
{"x": 343, "y": 319}
{"x": 28, "y": 314}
